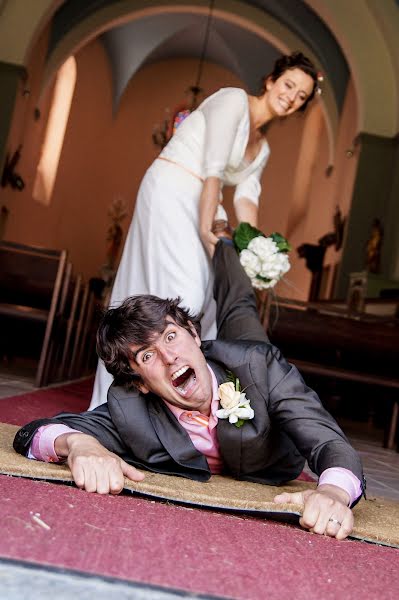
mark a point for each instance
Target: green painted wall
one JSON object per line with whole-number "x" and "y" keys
{"x": 375, "y": 195}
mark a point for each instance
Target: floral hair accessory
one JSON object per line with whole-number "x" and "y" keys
{"x": 320, "y": 79}
{"x": 235, "y": 405}
{"x": 265, "y": 259}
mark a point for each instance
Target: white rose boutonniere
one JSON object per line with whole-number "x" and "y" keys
{"x": 235, "y": 405}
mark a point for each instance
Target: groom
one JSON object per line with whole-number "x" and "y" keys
{"x": 163, "y": 412}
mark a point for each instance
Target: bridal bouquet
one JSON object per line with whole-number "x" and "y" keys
{"x": 265, "y": 259}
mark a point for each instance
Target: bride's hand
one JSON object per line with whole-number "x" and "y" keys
{"x": 209, "y": 241}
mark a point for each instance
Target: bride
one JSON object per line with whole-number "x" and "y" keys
{"x": 222, "y": 142}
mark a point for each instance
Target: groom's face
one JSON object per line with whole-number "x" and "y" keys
{"x": 173, "y": 367}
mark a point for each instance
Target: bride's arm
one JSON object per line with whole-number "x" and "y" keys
{"x": 247, "y": 211}
{"x": 246, "y": 197}
{"x": 222, "y": 113}
{"x": 207, "y": 208}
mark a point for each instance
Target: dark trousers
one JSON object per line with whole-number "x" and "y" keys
{"x": 237, "y": 315}
{"x": 238, "y": 319}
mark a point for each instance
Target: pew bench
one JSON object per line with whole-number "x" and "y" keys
{"x": 311, "y": 368}
{"x": 323, "y": 340}
{"x": 31, "y": 285}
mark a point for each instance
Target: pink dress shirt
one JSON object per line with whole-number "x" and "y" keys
{"x": 202, "y": 432}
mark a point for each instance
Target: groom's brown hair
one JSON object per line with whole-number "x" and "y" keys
{"x": 136, "y": 322}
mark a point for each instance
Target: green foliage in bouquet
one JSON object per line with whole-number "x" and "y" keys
{"x": 280, "y": 241}
{"x": 244, "y": 233}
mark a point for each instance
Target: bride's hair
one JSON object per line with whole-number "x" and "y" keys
{"x": 296, "y": 60}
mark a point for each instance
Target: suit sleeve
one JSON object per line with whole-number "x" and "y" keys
{"x": 97, "y": 423}
{"x": 297, "y": 410}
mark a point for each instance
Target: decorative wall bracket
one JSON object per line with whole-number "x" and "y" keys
{"x": 9, "y": 175}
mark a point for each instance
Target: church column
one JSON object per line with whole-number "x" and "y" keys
{"x": 375, "y": 195}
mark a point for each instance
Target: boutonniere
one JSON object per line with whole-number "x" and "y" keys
{"x": 235, "y": 405}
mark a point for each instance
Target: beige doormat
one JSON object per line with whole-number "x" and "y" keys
{"x": 376, "y": 519}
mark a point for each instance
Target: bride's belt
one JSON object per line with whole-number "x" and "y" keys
{"x": 181, "y": 166}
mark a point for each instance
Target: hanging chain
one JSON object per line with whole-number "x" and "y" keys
{"x": 196, "y": 87}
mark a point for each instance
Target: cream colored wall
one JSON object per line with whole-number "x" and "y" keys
{"x": 20, "y": 24}
{"x": 103, "y": 156}
{"x": 304, "y": 197}
{"x": 324, "y": 194}
{"x": 369, "y": 45}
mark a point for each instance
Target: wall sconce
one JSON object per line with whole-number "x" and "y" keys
{"x": 329, "y": 170}
{"x": 9, "y": 175}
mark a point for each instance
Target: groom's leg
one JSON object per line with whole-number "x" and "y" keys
{"x": 236, "y": 314}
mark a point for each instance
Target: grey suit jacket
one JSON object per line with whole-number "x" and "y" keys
{"x": 290, "y": 424}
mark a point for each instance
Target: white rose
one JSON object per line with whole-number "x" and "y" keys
{"x": 250, "y": 262}
{"x": 263, "y": 247}
{"x": 270, "y": 267}
{"x": 284, "y": 263}
{"x": 229, "y": 398}
{"x": 242, "y": 411}
{"x": 258, "y": 284}
{"x": 245, "y": 413}
{"x": 275, "y": 266}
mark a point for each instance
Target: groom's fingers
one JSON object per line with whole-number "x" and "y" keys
{"x": 131, "y": 472}
{"x": 290, "y": 498}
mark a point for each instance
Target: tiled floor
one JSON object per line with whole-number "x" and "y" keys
{"x": 381, "y": 466}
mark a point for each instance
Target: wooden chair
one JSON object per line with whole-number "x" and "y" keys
{"x": 78, "y": 341}
{"x": 70, "y": 328}
{"x": 31, "y": 282}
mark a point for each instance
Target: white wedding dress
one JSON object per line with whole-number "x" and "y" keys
{"x": 163, "y": 253}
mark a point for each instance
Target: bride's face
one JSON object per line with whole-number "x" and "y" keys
{"x": 288, "y": 93}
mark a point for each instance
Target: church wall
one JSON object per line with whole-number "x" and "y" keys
{"x": 104, "y": 156}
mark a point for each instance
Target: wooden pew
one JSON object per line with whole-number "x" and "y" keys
{"x": 31, "y": 282}
{"x": 327, "y": 342}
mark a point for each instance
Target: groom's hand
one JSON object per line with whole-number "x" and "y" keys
{"x": 93, "y": 467}
{"x": 325, "y": 510}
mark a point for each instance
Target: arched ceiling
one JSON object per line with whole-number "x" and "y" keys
{"x": 181, "y": 35}
{"x": 163, "y": 37}
{"x": 346, "y": 39}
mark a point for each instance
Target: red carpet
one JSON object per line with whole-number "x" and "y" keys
{"x": 193, "y": 550}
{"x": 175, "y": 547}
{"x": 71, "y": 397}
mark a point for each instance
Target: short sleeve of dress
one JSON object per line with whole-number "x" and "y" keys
{"x": 223, "y": 113}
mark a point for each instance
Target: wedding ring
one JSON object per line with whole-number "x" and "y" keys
{"x": 335, "y": 521}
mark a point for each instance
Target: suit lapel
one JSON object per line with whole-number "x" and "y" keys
{"x": 177, "y": 442}
{"x": 174, "y": 437}
{"x": 229, "y": 436}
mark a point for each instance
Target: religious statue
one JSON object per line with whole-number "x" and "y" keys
{"x": 335, "y": 237}
{"x": 373, "y": 247}
{"x": 117, "y": 213}
{"x": 314, "y": 254}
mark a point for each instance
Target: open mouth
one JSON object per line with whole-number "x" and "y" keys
{"x": 183, "y": 380}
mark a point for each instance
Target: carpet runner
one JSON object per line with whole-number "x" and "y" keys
{"x": 176, "y": 547}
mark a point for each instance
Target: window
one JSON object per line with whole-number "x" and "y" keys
{"x": 55, "y": 132}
